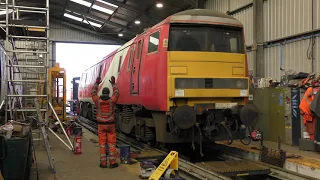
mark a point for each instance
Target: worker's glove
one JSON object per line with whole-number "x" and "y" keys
{"x": 98, "y": 80}
{"x": 112, "y": 80}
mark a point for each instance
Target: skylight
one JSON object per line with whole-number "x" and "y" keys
{"x": 104, "y": 2}
{"x": 73, "y": 17}
{"x": 92, "y": 23}
{"x": 102, "y": 9}
{"x": 82, "y": 2}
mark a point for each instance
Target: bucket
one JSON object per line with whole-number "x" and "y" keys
{"x": 78, "y": 130}
{"x": 125, "y": 154}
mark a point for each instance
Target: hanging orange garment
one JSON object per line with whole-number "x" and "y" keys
{"x": 308, "y": 118}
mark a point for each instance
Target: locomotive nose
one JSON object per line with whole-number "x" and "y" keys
{"x": 184, "y": 117}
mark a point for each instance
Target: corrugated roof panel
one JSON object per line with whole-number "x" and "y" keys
{"x": 118, "y": 21}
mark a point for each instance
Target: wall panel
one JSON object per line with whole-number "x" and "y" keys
{"x": 294, "y": 57}
{"x": 286, "y": 17}
{"x": 317, "y": 55}
{"x": 218, "y": 5}
{"x": 235, "y": 4}
{"x": 64, "y": 33}
{"x": 246, "y": 18}
{"x": 250, "y": 60}
{"x": 316, "y": 14}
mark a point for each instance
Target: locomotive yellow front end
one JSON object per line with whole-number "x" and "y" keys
{"x": 207, "y": 78}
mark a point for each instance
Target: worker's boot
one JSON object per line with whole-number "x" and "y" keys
{"x": 103, "y": 165}
{"x": 113, "y": 165}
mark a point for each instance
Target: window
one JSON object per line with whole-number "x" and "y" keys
{"x": 119, "y": 66}
{"x": 131, "y": 56}
{"x": 153, "y": 42}
{"x": 207, "y": 39}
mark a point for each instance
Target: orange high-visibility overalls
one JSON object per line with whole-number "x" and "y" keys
{"x": 106, "y": 123}
{"x": 308, "y": 118}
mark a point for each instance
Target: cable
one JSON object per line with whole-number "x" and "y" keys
{"x": 241, "y": 140}
{"x": 311, "y": 48}
{"x": 230, "y": 139}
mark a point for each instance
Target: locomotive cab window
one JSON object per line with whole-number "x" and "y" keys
{"x": 206, "y": 39}
{"x": 153, "y": 42}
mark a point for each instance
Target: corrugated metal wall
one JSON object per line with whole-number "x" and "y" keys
{"x": 63, "y": 33}
{"x": 218, "y": 5}
{"x": 235, "y": 4}
{"x": 282, "y": 18}
{"x": 316, "y": 12}
{"x": 246, "y": 18}
{"x": 286, "y": 17}
{"x": 250, "y": 60}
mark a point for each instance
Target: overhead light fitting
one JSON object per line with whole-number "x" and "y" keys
{"x": 137, "y": 22}
{"x": 82, "y": 2}
{"x": 73, "y": 17}
{"x": 104, "y": 2}
{"x": 120, "y": 35}
{"x": 96, "y": 7}
{"x": 159, "y": 5}
{"x": 102, "y": 9}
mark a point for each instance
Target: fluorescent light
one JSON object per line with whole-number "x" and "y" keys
{"x": 104, "y": 2}
{"x": 102, "y": 9}
{"x": 92, "y": 23}
{"x": 159, "y": 5}
{"x": 5, "y": 12}
{"x": 120, "y": 35}
{"x": 137, "y": 22}
{"x": 82, "y": 2}
{"x": 73, "y": 17}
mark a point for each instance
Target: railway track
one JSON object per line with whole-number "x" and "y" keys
{"x": 205, "y": 170}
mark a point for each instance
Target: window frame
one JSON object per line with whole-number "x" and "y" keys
{"x": 208, "y": 29}
{"x": 153, "y": 52}
{"x": 119, "y": 65}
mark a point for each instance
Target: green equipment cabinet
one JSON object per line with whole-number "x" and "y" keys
{"x": 17, "y": 164}
{"x": 275, "y": 105}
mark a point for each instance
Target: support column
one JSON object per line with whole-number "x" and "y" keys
{"x": 257, "y": 46}
{"x": 200, "y": 4}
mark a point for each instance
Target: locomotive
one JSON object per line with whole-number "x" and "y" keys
{"x": 184, "y": 80}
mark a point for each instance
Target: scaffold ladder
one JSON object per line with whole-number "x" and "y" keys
{"x": 27, "y": 60}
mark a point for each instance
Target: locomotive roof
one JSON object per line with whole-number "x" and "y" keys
{"x": 204, "y": 16}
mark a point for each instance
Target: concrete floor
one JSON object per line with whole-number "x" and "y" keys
{"x": 79, "y": 167}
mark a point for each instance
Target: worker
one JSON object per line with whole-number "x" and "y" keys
{"x": 308, "y": 117}
{"x": 106, "y": 121}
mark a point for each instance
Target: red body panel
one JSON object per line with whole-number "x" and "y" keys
{"x": 152, "y": 77}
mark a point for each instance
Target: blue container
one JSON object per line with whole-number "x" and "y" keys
{"x": 125, "y": 154}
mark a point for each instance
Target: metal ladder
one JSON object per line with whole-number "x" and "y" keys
{"x": 27, "y": 61}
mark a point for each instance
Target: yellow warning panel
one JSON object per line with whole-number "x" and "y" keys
{"x": 171, "y": 160}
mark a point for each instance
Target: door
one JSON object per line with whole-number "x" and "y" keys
{"x": 136, "y": 68}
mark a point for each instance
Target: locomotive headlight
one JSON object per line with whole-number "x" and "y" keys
{"x": 240, "y": 85}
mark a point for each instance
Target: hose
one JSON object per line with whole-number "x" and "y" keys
{"x": 241, "y": 140}
{"x": 200, "y": 138}
{"x": 230, "y": 139}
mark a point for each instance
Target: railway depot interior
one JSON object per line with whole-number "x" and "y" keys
{"x": 208, "y": 89}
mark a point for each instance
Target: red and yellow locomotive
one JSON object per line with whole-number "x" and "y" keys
{"x": 183, "y": 79}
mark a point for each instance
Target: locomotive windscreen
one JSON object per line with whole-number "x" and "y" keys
{"x": 206, "y": 39}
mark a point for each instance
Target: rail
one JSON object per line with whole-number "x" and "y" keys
{"x": 192, "y": 171}
{"x": 187, "y": 170}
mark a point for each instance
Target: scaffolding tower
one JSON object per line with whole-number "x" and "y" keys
{"x": 27, "y": 58}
